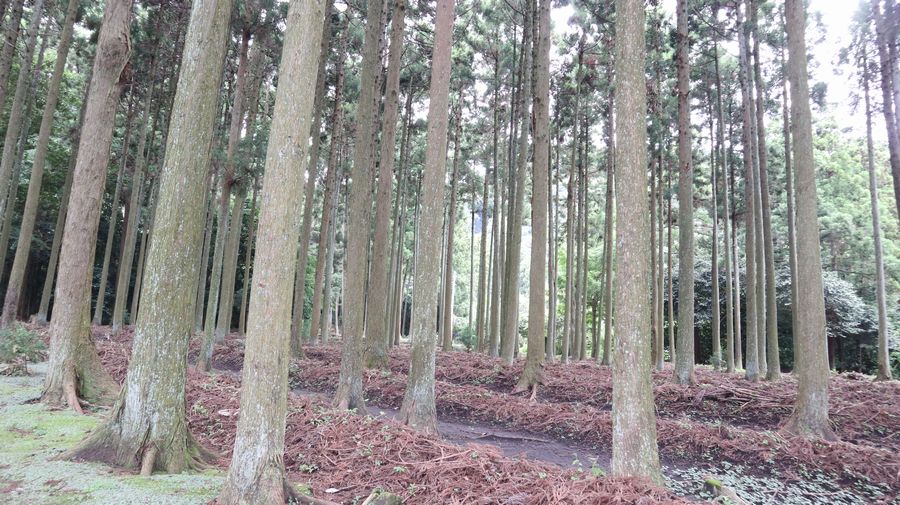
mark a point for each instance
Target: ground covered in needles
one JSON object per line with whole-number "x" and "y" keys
{"x": 504, "y": 448}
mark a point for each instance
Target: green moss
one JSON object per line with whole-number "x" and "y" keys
{"x": 716, "y": 483}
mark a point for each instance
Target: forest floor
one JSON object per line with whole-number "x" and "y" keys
{"x": 497, "y": 447}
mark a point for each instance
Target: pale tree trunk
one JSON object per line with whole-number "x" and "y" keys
{"x": 16, "y": 113}
{"x": 213, "y": 182}
{"x": 884, "y": 365}
{"x": 481, "y": 316}
{"x": 773, "y": 361}
{"x": 111, "y": 224}
{"x": 684, "y": 364}
{"x": 418, "y": 408}
{"x": 673, "y": 353}
{"x": 449, "y": 277}
{"x": 257, "y": 474}
{"x": 655, "y": 351}
{"x": 10, "y": 37}
{"x": 752, "y": 364}
{"x": 733, "y": 245}
{"x": 379, "y": 286}
{"x": 810, "y": 416}
{"x": 399, "y": 239}
{"x": 661, "y": 276}
{"x": 532, "y": 374}
{"x": 310, "y": 191}
{"x": 329, "y": 199}
{"x": 553, "y": 245}
{"x": 493, "y": 335}
{"x": 248, "y": 258}
{"x": 568, "y": 322}
{"x": 349, "y": 394}
{"x": 325, "y": 323}
{"x": 634, "y": 449}
{"x": 582, "y": 253}
{"x": 75, "y": 369}
{"x": 29, "y": 212}
{"x": 130, "y": 235}
{"x": 147, "y": 428}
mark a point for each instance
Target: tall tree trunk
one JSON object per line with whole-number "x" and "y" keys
{"x": 349, "y": 394}
{"x": 634, "y": 449}
{"x": 29, "y": 212}
{"x": 229, "y": 264}
{"x": 16, "y": 113}
{"x": 47, "y": 290}
{"x": 752, "y": 365}
{"x": 733, "y": 244}
{"x": 684, "y": 364}
{"x": 147, "y": 428}
{"x": 332, "y": 182}
{"x": 130, "y": 235}
{"x": 212, "y": 183}
{"x": 256, "y": 474}
{"x": 113, "y": 221}
{"x": 481, "y": 318}
{"x": 773, "y": 362}
{"x": 568, "y": 322}
{"x": 810, "y": 416}
{"x": 532, "y": 374}
{"x": 248, "y": 262}
{"x": 310, "y": 191}
{"x": 449, "y": 279}
{"x": 673, "y": 352}
{"x": 10, "y": 37}
{"x": 75, "y": 369}
{"x": 883, "y": 41}
{"x": 884, "y": 366}
{"x": 418, "y": 408}
{"x": 789, "y": 195}
{"x": 509, "y": 340}
{"x": 714, "y": 215}
{"x": 379, "y": 286}
{"x": 608, "y": 236}
{"x": 723, "y": 161}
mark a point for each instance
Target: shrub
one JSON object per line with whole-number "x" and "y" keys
{"x": 18, "y": 346}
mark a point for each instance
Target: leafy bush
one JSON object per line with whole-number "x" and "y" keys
{"x": 19, "y": 345}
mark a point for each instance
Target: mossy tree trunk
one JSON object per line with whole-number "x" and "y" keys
{"x": 147, "y": 427}
{"x": 75, "y": 368}
{"x": 257, "y": 474}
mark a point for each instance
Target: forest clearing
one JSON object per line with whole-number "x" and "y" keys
{"x": 384, "y": 252}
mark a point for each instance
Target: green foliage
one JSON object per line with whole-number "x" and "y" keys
{"x": 18, "y": 344}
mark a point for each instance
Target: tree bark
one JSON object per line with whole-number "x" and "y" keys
{"x": 810, "y": 416}
{"x": 684, "y": 364}
{"x": 10, "y": 37}
{"x": 75, "y": 368}
{"x": 418, "y": 408}
{"x": 349, "y": 394}
{"x": 257, "y": 474}
{"x": 310, "y": 191}
{"x": 532, "y": 374}
{"x": 29, "y": 212}
{"x": 449, "y": 278}
{"x": 883, "y": 42}
{"x": 634, "y": 449}
{"x": 16, "y": 113}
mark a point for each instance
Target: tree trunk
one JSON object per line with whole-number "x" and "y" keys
{"x": 418, "y": 409}
{"x": 47, "y": 290}
{"x": 723, "y": 161}
{"x": 16, "y": 113}
{"x": 310, "y": 191}
{"x": 608, "y": 239}
{"x": 449, "y": 282}
{"x": 684, "y": 364}
{"x": 213, "y": 182}
{"x": 883, "y": 41}
{"x": 257, "y": 474}
{"x": 130, "y": 235}
{"x": 773, "y": 361}
{"x": 349, "y": 394}
{"x": 634, "y": 449}
{"x": 10, "y": 36}
{"x": 332, "y": 181}
{"x": 147, "y": 428}
{"x": 532, "y": 374}
{"x": 29, "y": 212}
{"x": 229, "y": 265}
{"x": 810, "y": 416}
{"x": 145, "y": 239}
{"x": 789, "y": 196}
{"x": 568, "y": 322}
{"x": 716, "y": 322}
{"x": 75, "y": 368}
{"x": 248, "y": 262}
{"x": 752, "y": 364}
{"x": 884, "y": 366}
